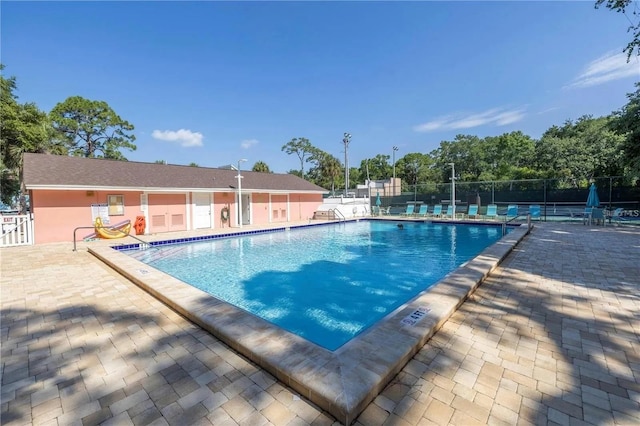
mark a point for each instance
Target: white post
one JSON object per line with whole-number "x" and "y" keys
{"x": 240, "y": 193}
{"x": 346, "y": 140}
{"x": 453, "y": 188}
{"x": 395, "y": 148}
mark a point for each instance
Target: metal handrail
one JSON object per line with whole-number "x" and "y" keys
{"x": 144, "y": 243}
{"x": 334, "y": 210}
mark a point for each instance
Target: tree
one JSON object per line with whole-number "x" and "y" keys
{"x": 620, "y": 6}
{"x": 326, "y": 170}
{"x": 92, "y": 129}
{"x": 193, "y": 165}
{"x": 414, "y": 168}
{"x": 302, "y": 148}
{"x": 579, "y": 151}
{"x": 379, "y": 167}
{"x": 466, "y": 152}
{"x": 160, "y": 162}
{"x": 626, "y": 121}
{"x": 294, "y": 172}
{"x": 261, "y": 166}
{"x": 24, "y": 128}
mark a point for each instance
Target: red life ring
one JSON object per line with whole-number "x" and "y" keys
{"x": 139, "y": 225}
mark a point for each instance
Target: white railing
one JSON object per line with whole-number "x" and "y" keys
{"x": 17, "y": 230}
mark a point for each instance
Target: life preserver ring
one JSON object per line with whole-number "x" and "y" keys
{"x": 224, "y": 214}
{"x": 139, "y": 225}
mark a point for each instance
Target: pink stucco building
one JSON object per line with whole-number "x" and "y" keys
{"x": 68, "y": 192}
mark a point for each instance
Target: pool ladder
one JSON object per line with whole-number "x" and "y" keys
{"x": 338, "y": 213}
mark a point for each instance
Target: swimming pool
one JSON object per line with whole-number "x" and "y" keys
{"x": 343, "y": 382}
{"x": 328, "y": 283}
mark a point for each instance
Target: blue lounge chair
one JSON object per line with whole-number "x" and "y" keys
{"x": 616, "y": 216}
{"x": 473, "y": 211}
{"x": 492, "y": 211}
{"x": 512, "y": 211}
{"x": 534, "y": 211}
{"x": 586, "y": 215}
{"x": 437, "y": 210}
{"x": 449, "y": 214}
{"x": 597, "y": 217}
{"x": 409, "y": 211}
{"x": 423, "y": 210}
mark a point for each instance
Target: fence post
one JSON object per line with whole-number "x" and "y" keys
{"x": 544, "y": 197}
{"x": 610, "y": 190}
{"x": 528, "y": 220}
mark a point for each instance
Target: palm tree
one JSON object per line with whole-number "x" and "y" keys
{"x": 331, "y": 169}
{"x": 261, "y": 166}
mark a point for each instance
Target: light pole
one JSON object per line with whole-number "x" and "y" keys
{"x": 395, "y": 148}
{"x": 345, "y": 141}
{"x": 240, "y": 193}
{"x": 453, "y": 188}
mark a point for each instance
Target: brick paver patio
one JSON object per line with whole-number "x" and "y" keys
{"x": 552, "y": 337}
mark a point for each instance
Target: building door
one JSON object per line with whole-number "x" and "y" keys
{"x": 246, "y": 209}
{"x": 167, "y": 212}
{"x": 202, "y": 211}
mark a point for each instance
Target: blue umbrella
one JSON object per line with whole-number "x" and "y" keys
{"x": 378, "y": 200}
{"x": 593, "y": 200}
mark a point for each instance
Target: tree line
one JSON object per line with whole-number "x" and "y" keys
{"x": 574, "y": 152}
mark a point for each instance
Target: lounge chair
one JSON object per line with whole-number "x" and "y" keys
{"x": 534, "y": 211}
{"x": 422, "y": 212}
{"x": 450, "y": 214}
{"x": 586, "y": 215}
{"x": 409, "y": 211}
{"x": 437, "y": 211}
{"x": 512, "y": 211}
{"x": 492, "y": 211}
{"x": 597, "y": 217}
{"x": 473, "y": 211}
{"x": 616, "y": 216}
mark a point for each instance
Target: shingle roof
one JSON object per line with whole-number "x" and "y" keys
{"x": 64, "y": 172}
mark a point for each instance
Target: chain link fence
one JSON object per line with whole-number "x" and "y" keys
{"x": 559, "y": 199}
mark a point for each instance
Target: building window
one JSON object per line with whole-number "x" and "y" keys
{"x": 116, "y": 205}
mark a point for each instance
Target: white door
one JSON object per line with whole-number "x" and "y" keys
{"x": 246, "y": 209}
{"x": 202, "y": 211}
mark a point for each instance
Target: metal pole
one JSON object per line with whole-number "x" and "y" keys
{"x": 453, "y": 188}
{"x": 610, "y": 190}
{"x": 346, "y": 140}
{"x": 395, "y": 148}
{"x": 493, "y": 190}
{"x": 240, "y": 194}
{"x": 544, "y": 194}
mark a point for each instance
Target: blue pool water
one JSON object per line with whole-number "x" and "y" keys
{"x": 324, "y": 283}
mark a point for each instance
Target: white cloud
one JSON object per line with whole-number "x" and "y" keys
{"x": 184, "y": 137}
{"x": 544, "y": 111}
{"x": 496, "y": 116}
{"x": 248, "y": 143}
{"x": 609, "y": 67}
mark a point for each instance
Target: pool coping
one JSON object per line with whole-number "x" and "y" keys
{"x": 342, "y": 382}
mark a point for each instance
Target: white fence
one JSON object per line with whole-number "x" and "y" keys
{"x": 17, "y": 230}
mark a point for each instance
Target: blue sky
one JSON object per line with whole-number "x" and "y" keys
{"x": 214, "y": 82}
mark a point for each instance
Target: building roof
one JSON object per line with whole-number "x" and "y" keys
{"x": 47, "y": 171}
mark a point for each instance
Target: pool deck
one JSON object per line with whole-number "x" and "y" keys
{"x": 552, "y": 336}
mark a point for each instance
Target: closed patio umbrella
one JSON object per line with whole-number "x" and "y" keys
{"x": 593, "y": 200}
{"x": 378, "y": 202}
